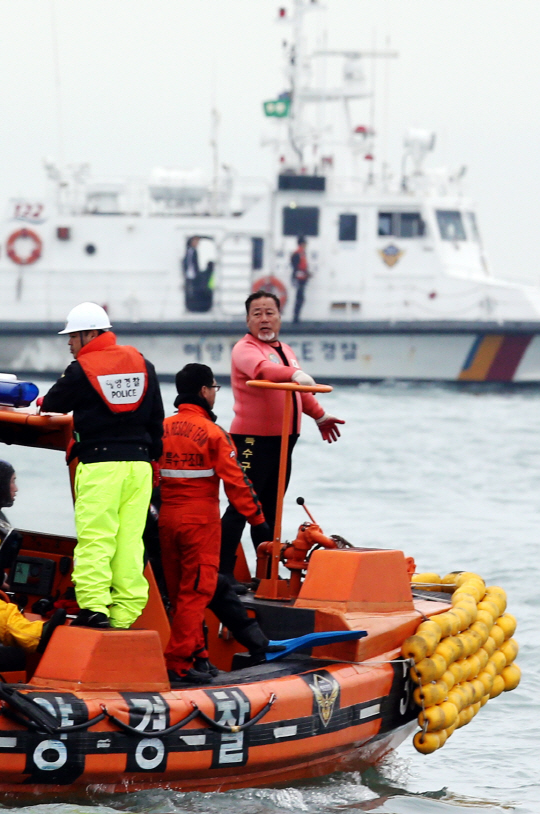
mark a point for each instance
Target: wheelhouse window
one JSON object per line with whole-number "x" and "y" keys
{"x": 411, "y": 224}
{"x": 450, "y": 224}
{"x": 385, "y": 224}
{"x": 347, "y": 226}
{"x": 257, "y": 253}
{"x": 401, "y": 224}
{"x": 472, "y": 225}
{"x": 301, "y": 220}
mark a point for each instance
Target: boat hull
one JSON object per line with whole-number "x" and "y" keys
{"x": 332, "y": 352}
{"x": 335, "y": 717}
{"x": 357, "y": 758}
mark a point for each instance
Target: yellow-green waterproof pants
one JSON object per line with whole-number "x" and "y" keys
{"x": 111, "y": 506}
{"x": 16, "y": 629}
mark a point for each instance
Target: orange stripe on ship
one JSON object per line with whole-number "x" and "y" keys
{"x": 495, "y": 358}
{"x": 476, "y": 369}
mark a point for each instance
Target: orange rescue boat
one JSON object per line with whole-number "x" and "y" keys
{"x": 97, "y": 708}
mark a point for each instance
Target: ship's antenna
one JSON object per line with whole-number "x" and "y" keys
{"x": 296, "y": 57}
{"x": 373, "y": 94}
{"x": 58, "y": 86}
{"x": 386, "y": 107}
{"x": 214, "y": 143}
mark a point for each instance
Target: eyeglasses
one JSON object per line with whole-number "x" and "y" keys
{"x": 216, "y": 387}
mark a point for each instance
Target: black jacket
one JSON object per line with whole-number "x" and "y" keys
{"x": 100, "y": 434}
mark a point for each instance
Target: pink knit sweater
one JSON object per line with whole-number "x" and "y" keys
{"x": 260, "y": 412}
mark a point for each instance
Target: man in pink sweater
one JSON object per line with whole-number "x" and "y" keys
{"x": 256, "y": 427}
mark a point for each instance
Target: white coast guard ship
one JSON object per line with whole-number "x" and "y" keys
{"x": 400, "y": 287}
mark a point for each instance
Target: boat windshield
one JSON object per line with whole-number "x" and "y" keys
{"x": 451, "y": 224}
{"x": 43, "y": 502}
{"x": 37, "y": 453}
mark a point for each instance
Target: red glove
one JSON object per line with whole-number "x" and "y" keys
{"x": 69, "y": 605}
{"x": 156, "y": 475}
{"x": 328, "y": 427}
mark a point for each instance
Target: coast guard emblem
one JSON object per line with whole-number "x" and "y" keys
{"x": 325, "y": 691}
{"x": 273, "y": 357}
{"x": 391, "y": 254}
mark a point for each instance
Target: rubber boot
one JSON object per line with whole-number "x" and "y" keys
{"x": 253, "y": 638}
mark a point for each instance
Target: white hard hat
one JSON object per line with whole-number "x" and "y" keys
{"x": 86, "y": 317}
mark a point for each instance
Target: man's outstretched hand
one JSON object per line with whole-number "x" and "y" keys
{"x": 328, "y": 427}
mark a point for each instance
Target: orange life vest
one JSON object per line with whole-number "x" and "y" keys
{"x": 302, "y": 271}
{"x": 116, "y": 372}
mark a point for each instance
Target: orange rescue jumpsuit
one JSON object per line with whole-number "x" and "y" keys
{"x": 197, "y": 453}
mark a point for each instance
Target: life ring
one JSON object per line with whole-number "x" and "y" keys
{"x": 273, "y": 286}
{"x": 34, "y": 255}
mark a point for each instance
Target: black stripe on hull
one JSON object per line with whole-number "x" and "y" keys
{"x": 59, "y": 761}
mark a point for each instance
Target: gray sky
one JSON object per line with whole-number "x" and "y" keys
{"x": 138, "y": 79}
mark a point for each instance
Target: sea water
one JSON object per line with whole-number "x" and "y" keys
{"x": 450, "y": 476}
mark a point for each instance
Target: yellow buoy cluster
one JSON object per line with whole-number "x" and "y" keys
{"x": 462, "y": 657}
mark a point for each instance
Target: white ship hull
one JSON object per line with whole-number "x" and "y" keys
{"x": 331, "y": 353}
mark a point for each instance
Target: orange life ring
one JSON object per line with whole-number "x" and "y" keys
{"x": 273, "y": 286}
{"x": 33, "y": 256}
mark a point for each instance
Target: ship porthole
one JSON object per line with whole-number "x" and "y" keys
{"x": 149, "y": 753}
{"x": 90, "y": 248}
{"x": 50, "y": 755}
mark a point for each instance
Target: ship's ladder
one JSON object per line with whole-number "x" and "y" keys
{"x": 235, "y": 270}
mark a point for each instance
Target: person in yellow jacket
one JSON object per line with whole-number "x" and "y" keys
{"x": 118, "y": 414}
{"x": 16, "y": 629}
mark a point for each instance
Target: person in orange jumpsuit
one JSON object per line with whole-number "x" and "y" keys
{"x": 197, "y": 454}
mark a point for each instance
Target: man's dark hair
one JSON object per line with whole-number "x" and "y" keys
{"x": 192, "y": 377}
{"x": 301, "y": 240}
{"x": 257, "y": 295}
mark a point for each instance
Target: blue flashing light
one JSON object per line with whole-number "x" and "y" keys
{"x": 17, "y": 394}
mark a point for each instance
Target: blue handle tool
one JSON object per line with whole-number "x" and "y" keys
{"x": 312, "y": 640}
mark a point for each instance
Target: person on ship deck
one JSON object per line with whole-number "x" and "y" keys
{"x": 197, "y": 454}
{"x": 256, "y": 427}
{"x": 198, "y": 292}
{"x": 300, "y": 276}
